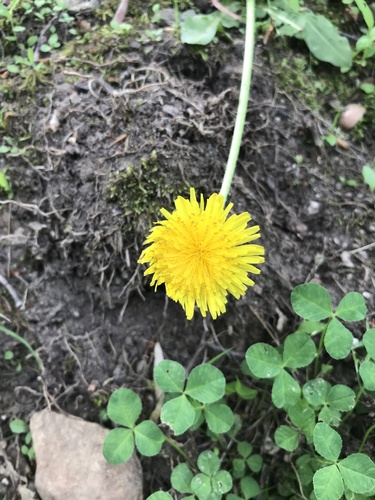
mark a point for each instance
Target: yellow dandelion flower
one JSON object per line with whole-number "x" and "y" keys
{"x": 202, "y": 255}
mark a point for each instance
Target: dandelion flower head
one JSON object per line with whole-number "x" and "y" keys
{"x": 201, "y": 255}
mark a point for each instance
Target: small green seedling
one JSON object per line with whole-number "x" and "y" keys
{"x": 242, "y": 390}
{"x": 10, "y": 146}
{"x": 369, "y": 177}
{"x": 368, "y": 88}
{"x": 5, "y": 186}
{"x": 19, "y": 426}
{"x": 365, "y": 45}
{"x": 201, "y": 29}
{"x": 299, "y": 159}
{"x": 247, "y": 460}
{"x": 120, "y": 29}
{"x": 348, "y": 182}
{"x": 52, "y": 43}
{"x": 367, "y": 367}
{"x": 161, "y": 495}
{"x": 24, "y": 342}
{"x": 10, "y": 358}
{"x": 209, "y": 483}
{"x": 8, "y": 355}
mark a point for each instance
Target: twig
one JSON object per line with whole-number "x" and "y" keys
{"x": 8, "y": 287}
{"x": 121, "y": 12}
{"x": 225, "y": 10}
{"x": 366, "y": 247}
{"x": 99, "y": 65}
{"x": 27, "y": 206}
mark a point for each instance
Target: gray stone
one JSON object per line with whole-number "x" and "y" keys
{"x": 70, "y": 464}
{"x": 81, "y": 5}
{"x": 167, "y": 17}
{"x": 314, "y": 207}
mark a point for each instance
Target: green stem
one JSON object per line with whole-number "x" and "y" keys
{"x": 361, "y": 390}
{"x": 13, "y": 7}
{"x": 358, "y": 397}
{"x": 243, "y": 99}
{"x": 320, "y": 348}
{"x": 176, "y": 14}
{"x": 369, "y": 430}
{"x": 180, "y": 451}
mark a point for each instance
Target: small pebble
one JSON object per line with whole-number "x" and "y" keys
{"x": 313, "y": 207}
{"x": 351, "y": 116}
{"x": 84, "y": 25}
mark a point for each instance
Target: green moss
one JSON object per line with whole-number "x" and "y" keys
{"x": 107, "y": 10}
{"x": 100, "y": 399}
{"x": 315, "y": 86}
{"x": 294, "y": 75}
{"x": 142, "y": 190}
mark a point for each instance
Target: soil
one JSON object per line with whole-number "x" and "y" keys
{"x": 101, "y": 155}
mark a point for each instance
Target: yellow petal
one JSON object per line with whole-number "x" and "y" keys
{"x": 201, "y": 255}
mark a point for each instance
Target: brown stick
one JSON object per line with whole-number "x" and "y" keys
{"x": 226, "y": 11}
{"x": 121, "y": 12}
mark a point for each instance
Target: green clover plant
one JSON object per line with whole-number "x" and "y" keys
{"x": 209, "y": 482}
{"x": 124, "y": 408}
{"x": 353, "y": 474}
{"x": 310, "y": 409}
{"x": 20, "y": 427}
{"x": 195, "y": 400}
{"x": 368, "y": 173}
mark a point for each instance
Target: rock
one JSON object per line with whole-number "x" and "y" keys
{"x": 81, "y": 5}
{"x": 70, "y": 464}
{"x": 314, "y": 207}
{"x": 167, "y": 17}
{"x": 25, "y": 493}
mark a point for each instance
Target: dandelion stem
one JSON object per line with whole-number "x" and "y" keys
{"x": 243, "y": 99}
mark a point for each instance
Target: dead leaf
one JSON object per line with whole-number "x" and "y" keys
{"x": 341, "y": 143}
{"x": 268, "y": 33}
{"x": 119, "y": 139}
{"x": 345, "y": 257}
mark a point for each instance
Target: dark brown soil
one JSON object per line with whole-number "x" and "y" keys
{"x": 86, "y": 194}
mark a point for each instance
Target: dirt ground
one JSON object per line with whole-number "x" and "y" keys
{"x": 101, "y": 156}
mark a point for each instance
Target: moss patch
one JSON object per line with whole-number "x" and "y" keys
{"x": 142, "y": 190}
